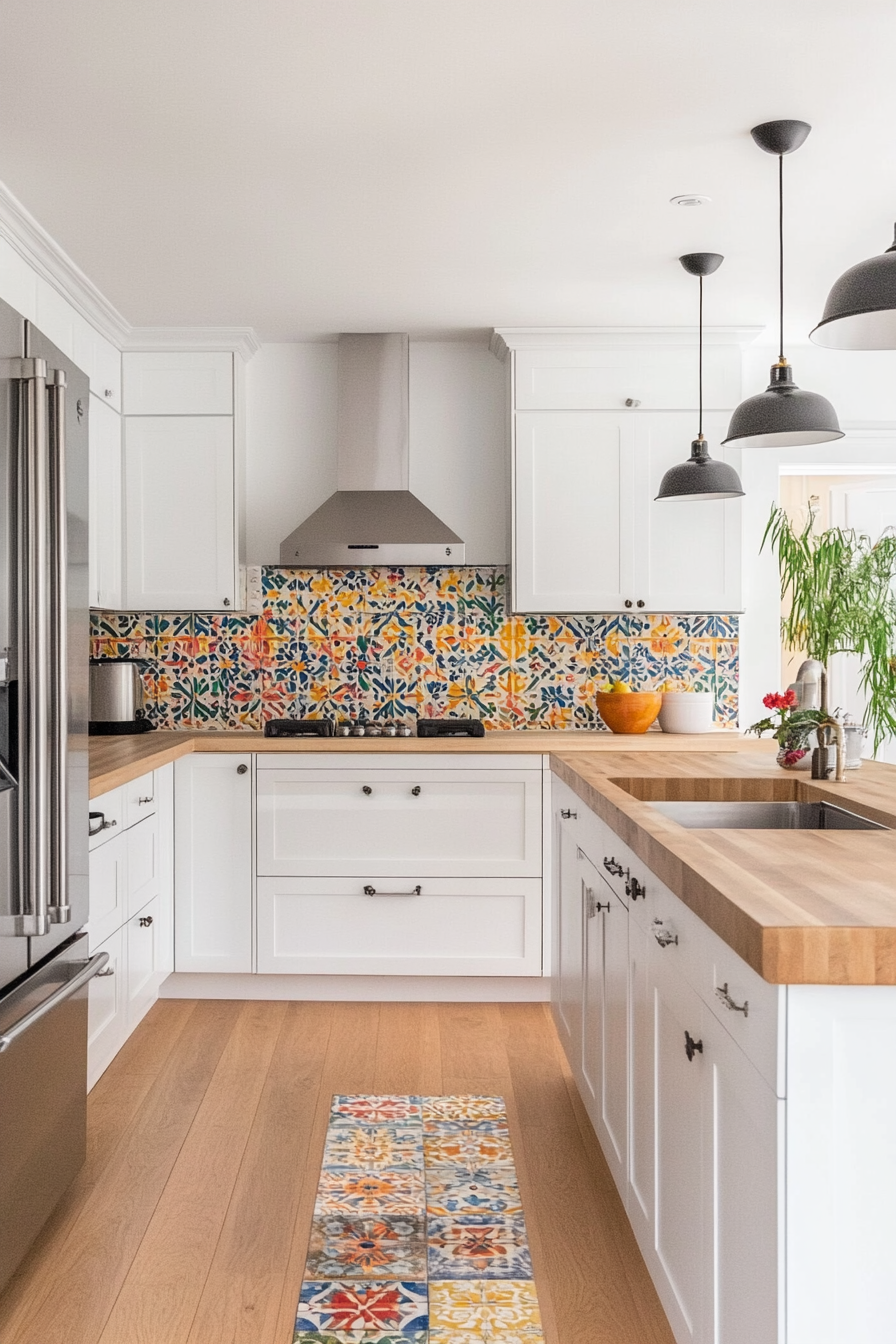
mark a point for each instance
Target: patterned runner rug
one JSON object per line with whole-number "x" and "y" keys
{"x": 418, "y": 1234}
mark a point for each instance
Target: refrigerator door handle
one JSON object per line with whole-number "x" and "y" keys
{"x": 34, "y": 652}
{"x": 88, "y": 970}
{"x": 58, "y": 907}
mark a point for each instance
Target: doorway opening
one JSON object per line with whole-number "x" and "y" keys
{"x": 840, "y": 496}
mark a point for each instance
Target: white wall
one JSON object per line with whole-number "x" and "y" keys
{"x": 457, "y": 439}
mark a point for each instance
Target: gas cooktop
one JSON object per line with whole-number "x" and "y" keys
{"x": 374, "y": 728}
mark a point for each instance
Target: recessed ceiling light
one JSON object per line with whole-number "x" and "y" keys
{"x": 690, "y": 200}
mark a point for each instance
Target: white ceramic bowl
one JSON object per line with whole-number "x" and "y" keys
{"x": 687, "y": 712}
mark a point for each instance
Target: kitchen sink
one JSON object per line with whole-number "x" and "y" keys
{"x": 781, "y": 816}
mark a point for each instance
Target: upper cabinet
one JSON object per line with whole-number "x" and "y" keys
{"x": 178, "y": 382}
{"x": 181, "y": 500}
{"x": 105, "y": 563}
{"x": 592, "y": 433}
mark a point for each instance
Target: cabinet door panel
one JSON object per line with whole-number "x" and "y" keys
{"x": 107, "y": 1008}
{"x": 178, "y": 382}
{"x": 640, "y": 1198}
{"x": 742, "y": 1194}
{"x": 213, "y": 863}
{"x": 574, "y": 532}
{"x": 108, "y": 888}
{"x": 614, "y": 1104}
{"x": 143, "y": 863}
{"x": 679, "y": 1147}
{"x": 142, "y": 932}
{"x": 693, "y": 546}
{"x": 179, "y": 489}
{"x": 567, "y": 981}
{"x": 105, "y": 485}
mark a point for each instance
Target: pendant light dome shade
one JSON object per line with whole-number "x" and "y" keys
{"x": 860, "y": 313}
{"x": 783, "y": 416}
{"x": 701, "y": 477}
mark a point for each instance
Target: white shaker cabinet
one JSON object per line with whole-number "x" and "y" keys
{"x": 181, "y": 552}
{"x": 105, "y": 485}
{"x": 592, "y": 434}
{"x": 178, "y": 382}
{"x": 213, "y": 863}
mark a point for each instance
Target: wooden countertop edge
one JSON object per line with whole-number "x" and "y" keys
{"x": 793, "y": 953}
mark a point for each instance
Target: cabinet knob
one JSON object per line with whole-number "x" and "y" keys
{"x": 724, "y": 997}
{"x": 366, "y": 789}
{"x": 692, "y": 1047}
{"x": 416, "y": 791}
{"x": 108, "y": 392}
{"x": 242, "y": 769}
{"x": 225, "y": 602}
{"x": 632, "y": 402}
{"x": 568, "y": 815}
{"x": 640, "y": 602}
{"x": 593, "y": 904}
{"x": 634, "y": 888}
{"x": 628, "y": 602}
{"x": 145, "y": 921}
{"x": 141, "y": 801}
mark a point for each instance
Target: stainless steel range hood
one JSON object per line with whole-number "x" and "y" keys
{"x": 373, "y": 519}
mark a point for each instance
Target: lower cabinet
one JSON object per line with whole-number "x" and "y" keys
{"x": 688, "y": 1124}
{"x": 131, "y": 900}
{"x": 213, "y": 863}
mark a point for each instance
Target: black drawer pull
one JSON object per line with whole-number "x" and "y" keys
{"x": 692, "y": 1047}
{"x": 372, "y": 891}
{"x": 145, "y": 921}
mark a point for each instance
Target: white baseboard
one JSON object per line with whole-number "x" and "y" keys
{"x": 360, "y": 988}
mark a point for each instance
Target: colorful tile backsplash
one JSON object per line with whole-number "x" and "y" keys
{"x": 408, "y": 643}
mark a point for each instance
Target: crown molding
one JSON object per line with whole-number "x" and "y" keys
{"x": 44, "y": 255}
{"x": 505, "y": 339}
{"x": 243, "y": 341}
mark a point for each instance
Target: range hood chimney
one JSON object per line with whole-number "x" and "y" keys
{"x": 373, "y": 519}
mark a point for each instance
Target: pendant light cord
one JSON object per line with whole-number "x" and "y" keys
{"x": 781, "y": 256}
{"x": 700, "y": 361}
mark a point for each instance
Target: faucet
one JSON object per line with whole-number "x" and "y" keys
{"x": 820, "y": 767}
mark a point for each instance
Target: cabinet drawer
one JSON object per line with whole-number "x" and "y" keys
{"x": 107, "y": 817}
{"x": 674, "y": 932}
{"x": 106, "y": 1012}
{"x": 659, "y": 379}
{"x": 482, "y": 823}
{"x": 331, "y": 926}
{"x": 729, "y": 986}
{"x": 140, "y": 798}
{"x": 143, "y": 863}
{"x": 108, "y": 888}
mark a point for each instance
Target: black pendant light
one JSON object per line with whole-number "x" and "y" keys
{"x": 783, "y": 416}
{"x": 860, "y": 313}
{"x": 701, "y": 477}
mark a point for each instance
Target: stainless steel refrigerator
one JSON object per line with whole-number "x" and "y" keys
{"x": 44, "y": 966}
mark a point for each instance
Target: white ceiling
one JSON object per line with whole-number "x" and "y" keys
{"x": 307, "y": 166}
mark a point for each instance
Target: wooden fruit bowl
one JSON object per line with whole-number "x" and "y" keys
{"x": 629, "y": 711}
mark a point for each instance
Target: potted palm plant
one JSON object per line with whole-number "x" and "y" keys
{"x": 839, "y": 585}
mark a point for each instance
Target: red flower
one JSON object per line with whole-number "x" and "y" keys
{"x": 790, "y": 699}
{"x": 775, "y": 700}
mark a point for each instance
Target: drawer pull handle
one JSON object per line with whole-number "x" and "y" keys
{"x": 568, "y": 815}
{"x": 104, "y": 825}
{"x": 141, "y": 801}
{"x": 634, "y": 889}
{"x": 101, "y": 975}
{"x": 145, "y": 921}
{"x": 724, "y": 997}
{"x": 366, "y": 789}
{"x": 665, "y": 937}
{"x": 613, "y": 868}
{"x": 594, "y": 905}
{"x": 372, "y": 891}
{"x": 692, "y": 1047}
{"x": 416, "y": 791}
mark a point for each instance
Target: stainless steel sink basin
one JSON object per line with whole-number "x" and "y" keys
{"x": 765, "y": 816}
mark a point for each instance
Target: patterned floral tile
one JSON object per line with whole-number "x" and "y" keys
{"x": 459, "y": 1107}
{"x": 452, "y": 1192}
{"x": 372, "y": 1247}
{"x": 370, "y": 1192}
{"x": 364, "y": 1311}
{"x": 478, "y": 1248}
{"x": 358, "y": 1109}
{"x": 500, "y": 1310}
{"x": 468, "y": 1149}
{"x": 368, "y": 1148}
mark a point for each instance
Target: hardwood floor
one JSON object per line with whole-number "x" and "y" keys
{"x": 189, "y": 1222}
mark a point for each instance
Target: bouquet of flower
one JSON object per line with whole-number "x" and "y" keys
{"x": 793, "y": 727}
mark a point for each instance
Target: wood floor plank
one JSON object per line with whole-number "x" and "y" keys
{"x": 473, "y": 1056}
{"x": 111, "y": 1107}
{"x": 97, "y": 1254}
{"x": 349, "y": 1067}
{"x": 241, "y": 1298}
{"x": 159, "y": 1297}
{"x": 407, "y": 1050}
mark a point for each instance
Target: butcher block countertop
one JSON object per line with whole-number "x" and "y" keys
{"x": 801, "y": 907}
{"x": 118, "y": 760}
